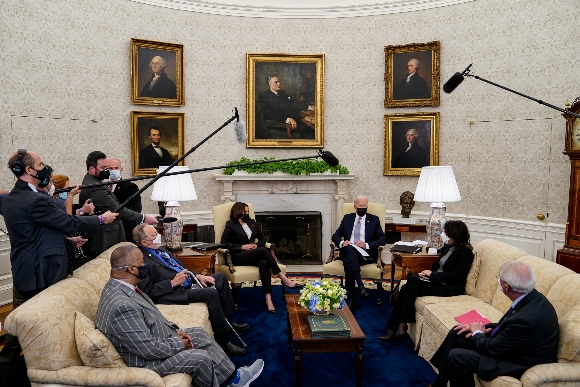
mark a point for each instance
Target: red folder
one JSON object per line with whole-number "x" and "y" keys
{"x": 472, "y": 316}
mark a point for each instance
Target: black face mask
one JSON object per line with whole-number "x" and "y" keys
{"x": 44, "y": 176}
{"x": 361, "y": 211}
{"x": 245, "y": 218}
{"x": 143, "y": 270}
{"x": 104, "y": 174}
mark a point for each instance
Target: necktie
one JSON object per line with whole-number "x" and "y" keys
{"x": 408, "y": 148}
{"x": 110, "y": 186}
{"x": 494, "y": 332}
{"x": 356, "y": 233}
{"x": 139, "y": 292}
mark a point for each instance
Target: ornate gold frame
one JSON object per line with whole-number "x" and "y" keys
{"x": 406, "y": 52}
{"x": 174, "y": 68}
{"x": 140, "y": 131}
{"x": 390, "y": 150}
{"x": 282, "y": 64}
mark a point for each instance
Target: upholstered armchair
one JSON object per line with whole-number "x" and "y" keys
{"x": 372, "y": 270}
{"x": 239, "y": 274}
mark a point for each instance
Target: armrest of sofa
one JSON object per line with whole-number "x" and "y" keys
{"x": 550, "y": 374}
{"x": 91, "y": 376}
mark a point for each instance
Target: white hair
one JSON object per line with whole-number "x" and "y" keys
{"x": 163, "y": 63}
{"x": 415, "y": 62}
{"x": 518, "y": 275}
{"x": 414, "y": 131}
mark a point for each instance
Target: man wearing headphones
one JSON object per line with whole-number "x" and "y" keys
{"x": 38, "y": 253}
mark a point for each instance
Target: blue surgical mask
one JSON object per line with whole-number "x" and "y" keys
{"x": 63, "y": 195}
{"x": 115, "y": 174}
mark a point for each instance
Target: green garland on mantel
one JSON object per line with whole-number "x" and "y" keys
{"x": 294, "y": 167}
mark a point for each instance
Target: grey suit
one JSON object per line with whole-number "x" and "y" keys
{"x": 112, "y": 233}
{"x": 144, "y": 338}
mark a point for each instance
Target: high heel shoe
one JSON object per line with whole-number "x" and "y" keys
{"x": 296, "y": 286}
{"x": 273, "y": 311}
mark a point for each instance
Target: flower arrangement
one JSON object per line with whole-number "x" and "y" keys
{"x": 322, "y": 296}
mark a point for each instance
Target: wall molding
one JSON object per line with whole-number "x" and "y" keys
{"x": 302, "y": 9}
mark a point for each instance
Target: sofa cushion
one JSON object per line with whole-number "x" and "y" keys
{"x": 472, "y": 275}
{"x": 93, "y": 346}
{"x": 564, "y": 294}
{"x": 569, "y": 344}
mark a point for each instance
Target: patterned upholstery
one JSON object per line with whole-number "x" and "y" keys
{"x": 45, "y": 327}
{"x": 436, "y": 316}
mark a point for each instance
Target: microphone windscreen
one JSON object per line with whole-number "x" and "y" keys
{"x": 240, "y": 128}
{"x": 169, "y": 219}
{"x": 453, "y": 82}
{"x": 329, "y": 158}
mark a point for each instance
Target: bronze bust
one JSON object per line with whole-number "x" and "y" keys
{"x": 407, "y": 203}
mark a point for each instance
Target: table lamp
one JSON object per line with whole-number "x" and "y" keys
{"x": 173, "y": 189}
{"x": 436, "y": 185}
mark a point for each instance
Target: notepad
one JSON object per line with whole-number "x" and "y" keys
{"x": 472, "y": 316}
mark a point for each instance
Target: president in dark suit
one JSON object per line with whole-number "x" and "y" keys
{"x": 104, "y": 200}
{"x": 447, "y": 277}
{"x": 145, "y": 338}
{"x": 412, "y": 86}
{"x": 525, "y": 336}
{"x": 168, "y": 283}
{"x": 414, "y": 155}
{"x": 159, "y": 86}
{"x": 363, "y": 230}
{"x": 123, "y": 191}
{"x": 154, "y": 155}
{"x": 278, "y": 106}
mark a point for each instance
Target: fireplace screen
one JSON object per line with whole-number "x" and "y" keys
{"x": 296, "y": 235}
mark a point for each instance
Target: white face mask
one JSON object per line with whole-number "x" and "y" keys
{"x": 115, "y": 174}
{"x": 157, "y": 240}
{"x": 444, "y": 238}
{"x": 51, "y": 191}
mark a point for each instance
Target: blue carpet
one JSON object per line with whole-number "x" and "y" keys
{"x": 384, "y": 363}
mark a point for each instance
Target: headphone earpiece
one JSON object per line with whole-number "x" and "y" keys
{"x": 17, "y": 165}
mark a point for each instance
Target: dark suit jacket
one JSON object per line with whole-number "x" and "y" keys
{"x": 163, "y": 88}
{"x": 455, "y": 269}
{"x": 104, "y": 200}
{"x": 416, "y": 157}
{"x": 527, "y": 337}
{"x": 234, "y": 236}
{"x": 280, "y": 107}
{"x": 416, "y": 88}
{"x": 122, "y": 192}
{"x": 158, "y": 284}
{"x": 35, "y": 225}
{"x": 149, "y": 158}
{"x": 374, "y": 235}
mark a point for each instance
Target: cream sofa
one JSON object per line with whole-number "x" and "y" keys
{"x": 45, "y": 327}
{"x": 435, "y": 315}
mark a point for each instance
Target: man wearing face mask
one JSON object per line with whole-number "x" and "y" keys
{"x": 168, "y": 283}
{"x": 122, "y": 192}
{"x": 365, "y": 232}
{"x": 98, "y": 170}
{"x": 38, "y": 253}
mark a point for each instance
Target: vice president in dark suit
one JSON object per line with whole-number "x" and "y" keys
{"x": 365, "y": 231}
{"x": 447, "y": 277}
{"x": 412, "y": 86}
{"x": 159, "y": 86}
{"x": 527, "y": 335}
{"x": 154, "y": 155}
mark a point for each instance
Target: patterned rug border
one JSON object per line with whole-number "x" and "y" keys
{"x": 306, "y": 278}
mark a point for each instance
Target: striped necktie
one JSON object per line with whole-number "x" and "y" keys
{"x": 356, "y": 233}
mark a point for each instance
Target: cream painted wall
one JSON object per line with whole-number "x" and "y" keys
{"x": 68, "y": 92}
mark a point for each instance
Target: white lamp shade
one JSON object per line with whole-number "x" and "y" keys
{"x": 176, "y": 188}
{"x": 437, "y": 185}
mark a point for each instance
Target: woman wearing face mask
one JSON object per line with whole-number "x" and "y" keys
{"x": 447, "y": 277}
{"x": 239, "y": 236}
{"x": 60, "y": 182}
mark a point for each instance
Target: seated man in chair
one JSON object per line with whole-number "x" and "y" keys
{"x": 358, "y": 237}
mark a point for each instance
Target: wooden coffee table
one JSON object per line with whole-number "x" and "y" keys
{"x": 299, "y": 332}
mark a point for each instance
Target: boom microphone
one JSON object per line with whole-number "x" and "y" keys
{"x": 455, "y": 80}
{"x": 239, "y": 127}
{"x": 328, "y": 158}
{"x": 169, "y": 219}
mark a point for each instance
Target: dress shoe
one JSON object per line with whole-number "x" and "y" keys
{"x": 386, "y": 337}
{"x": 273, "y": 311}
{"x": 234, "y": 350}
{"x": 363, "y": 292}
{"x": 240, "y": 327}
{"x": 352, "y": 305}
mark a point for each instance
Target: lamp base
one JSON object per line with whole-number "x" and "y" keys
{"x": 173, "y": 230}
{"x": 435, "y": 225}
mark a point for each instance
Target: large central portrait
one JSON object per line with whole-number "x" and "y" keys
{"x": 285, "y": 95}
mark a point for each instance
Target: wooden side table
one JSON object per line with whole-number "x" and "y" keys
{"x": 414, "y": 263}
{"x": 199, "y": 261}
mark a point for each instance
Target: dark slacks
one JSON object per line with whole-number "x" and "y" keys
{"x": 404, "y": 309}
{"x": 219, "y": 303}
{"x": 261, "y": 258}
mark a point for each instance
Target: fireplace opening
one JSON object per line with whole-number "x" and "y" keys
{"x": 296, "y": 235}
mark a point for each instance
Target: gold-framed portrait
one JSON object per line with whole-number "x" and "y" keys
{"x": 285, "y": 100}
{"x": 412, "y": 75}
{"x": 157, "y": 73}
{"x": 157, "y": 139}
{"x": 411, "y": 143}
